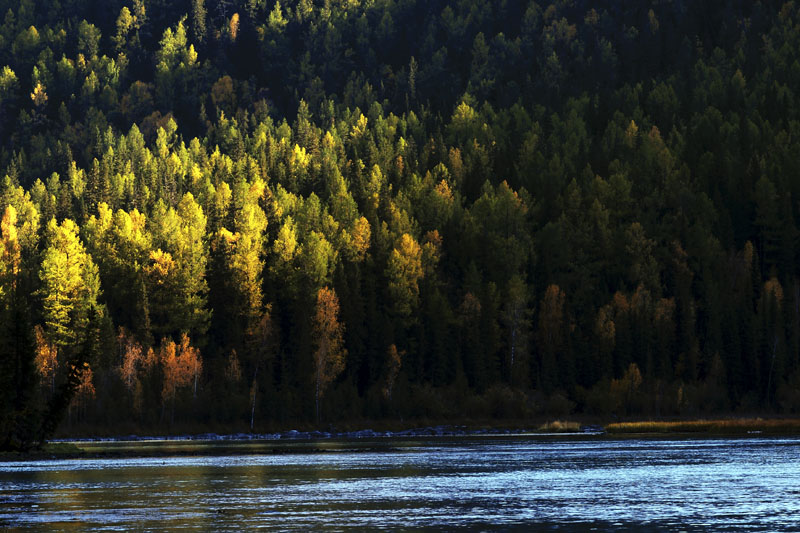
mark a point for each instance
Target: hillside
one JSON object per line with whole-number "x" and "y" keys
{"x": 252, "y": 214}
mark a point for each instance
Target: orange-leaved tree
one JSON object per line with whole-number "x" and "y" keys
{"x": 182, "y": 366}
{"x": 46, "y": 359}
{"x": 132, "y": 362}
{"x": 84, "y": 391}
{"x": 330, "y": 353}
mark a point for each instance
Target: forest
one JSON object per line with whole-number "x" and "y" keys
{"x": 246, "y": 214}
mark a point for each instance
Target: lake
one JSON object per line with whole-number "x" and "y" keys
{"x": 504, "y": 482}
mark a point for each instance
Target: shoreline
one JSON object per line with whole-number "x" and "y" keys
{"x": 444, "y": 428}
{"x": 440, "y": 430}
{"x": 316, "y": 441}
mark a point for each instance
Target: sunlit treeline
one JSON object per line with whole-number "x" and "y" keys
{"x": 264, "y": 214}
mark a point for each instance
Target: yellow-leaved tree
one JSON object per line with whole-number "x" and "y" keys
{"x": 394, "y": 360}
{"x": 330, "y": 353}
{"x": 404, "y": 271}
{"x": 70, "y": 285}
{"x": 73, "y": 318}
{"x": 18, "y": 240}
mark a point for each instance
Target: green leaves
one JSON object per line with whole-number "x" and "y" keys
{"x": 121, "y": 246}
{"x": 180, "y": 305}
{"x": 504, "y": 194}
{"x": 70, "y": 285}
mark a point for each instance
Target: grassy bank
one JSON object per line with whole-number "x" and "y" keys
{"x": 733, "y": 426}
{"x": 51, "y": 450}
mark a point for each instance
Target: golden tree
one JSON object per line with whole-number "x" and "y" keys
{"x": 360, "y": 238}
{"x": 85, "y": 390}
{"x": 70, "y": 285}
{"x": 394, "y": 360}
{"x": 9, "y": 250}
{"x": 132, "y": 360}
{"x": 404, "y": 271}
{"x": 167, "y": 355}
{"x": 182, "y": 366}
{"x": 46, "y": 358}
{"x": 330, "y": 354}
{"x": 191, "y": 363}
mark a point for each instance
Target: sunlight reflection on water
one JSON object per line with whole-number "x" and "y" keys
{"x": 513, "y": 482}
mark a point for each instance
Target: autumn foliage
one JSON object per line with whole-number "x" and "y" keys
{"x": 329, "y": 355}
{"x": 394, "y": 361}
{"x": 182, "y": 366}
{"x": 46, "y": 358}
{"x": 523, "y": 199}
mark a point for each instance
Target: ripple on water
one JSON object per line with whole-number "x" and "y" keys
{"x": 629, "y": 485}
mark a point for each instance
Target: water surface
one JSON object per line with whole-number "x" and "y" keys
{"x": 522, "y": 482}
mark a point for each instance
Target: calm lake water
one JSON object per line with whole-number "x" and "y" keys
{"x": 579, "y": 484}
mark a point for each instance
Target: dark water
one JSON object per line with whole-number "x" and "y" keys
{"x": 523, "y": 483}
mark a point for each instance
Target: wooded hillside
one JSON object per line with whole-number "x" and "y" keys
{"x": 244, "y": 212}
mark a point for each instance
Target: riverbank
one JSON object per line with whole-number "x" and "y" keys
{"x": 439, "y": 430}
{"x": 731, "y": 426}
{"x": 292, "y": 441}
{"x": 442, "y": 428}
{"x": 342, "y": 430}
{"x": 318, "y": 441}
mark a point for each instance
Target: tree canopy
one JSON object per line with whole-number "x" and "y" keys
{"x": 515, "y": 208}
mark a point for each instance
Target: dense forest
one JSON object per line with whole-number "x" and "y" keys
{"x": 249, "y": 214}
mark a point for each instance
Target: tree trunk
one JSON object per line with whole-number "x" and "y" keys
{"x": 513, "y": 353}
{"x": 253, "y": 407}
{"x": 316, "y": 396}
{"x": 771, "y": 367}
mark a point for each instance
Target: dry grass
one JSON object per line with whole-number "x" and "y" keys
{"x": 726, "y": 426}
{"x": 560, "y": 426}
